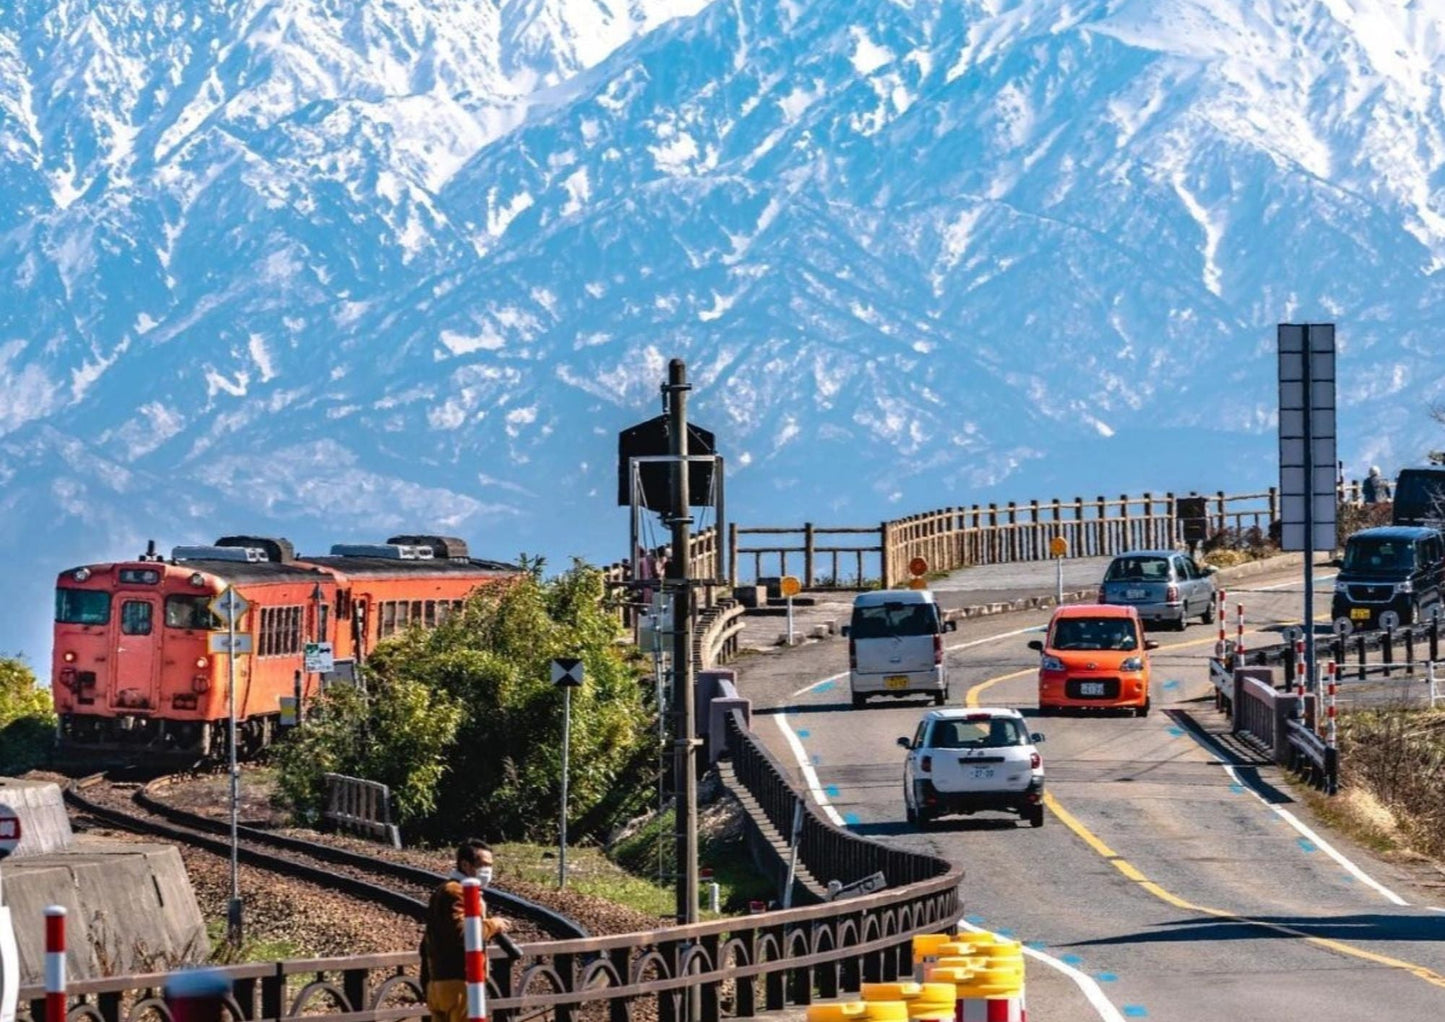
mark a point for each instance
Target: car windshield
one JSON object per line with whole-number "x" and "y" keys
{"x": 989, "y": 733}
{"x": 1138, "y": 569}
{"x": 890, "y": 619}
{"x": 1368, "y": 553}
{"x": 1094, "y": 633}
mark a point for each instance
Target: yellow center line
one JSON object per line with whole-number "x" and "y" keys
{"x": 1133, "y": 874}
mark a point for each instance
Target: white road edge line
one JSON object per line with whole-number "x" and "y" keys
{"x": 1086, "y": 983}
{"x": 1295, "y": 822}
{"x": 810, "y": 775}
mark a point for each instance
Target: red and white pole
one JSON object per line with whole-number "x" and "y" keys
{"x": 1221, "y": 611}
{"x": 55, "y": 964}
{"x": 476, "y": 951}
{"x": 1239, "y": 635}
{"x": 1330, "y": 734}
{"x": 1299, "y": 674}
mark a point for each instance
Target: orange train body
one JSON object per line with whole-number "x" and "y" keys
{"x": 131, "y": 668}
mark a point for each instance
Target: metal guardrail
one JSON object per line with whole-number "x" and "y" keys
{"x": 362, "y": 806}
{"x": 1279, "y": 723}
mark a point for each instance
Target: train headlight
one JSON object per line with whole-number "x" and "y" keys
{"x": 81, "y": 574}
{"x": 197, "y": 579}
{"x": 68, "y": 656}
{"x": 201, "y": 661}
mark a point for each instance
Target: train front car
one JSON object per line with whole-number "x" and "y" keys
{"x": 132, "y": 671}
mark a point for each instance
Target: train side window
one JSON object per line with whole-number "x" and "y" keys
{"x": 135, "y": 617}
{"x": 293, "y": 630}
{"x": 189, "y": 612}
{"x": 388, "y": 618}
{"x": 429, "y": 612}
{"x": 416, "y": 618}
{"x": 322, "y": 621}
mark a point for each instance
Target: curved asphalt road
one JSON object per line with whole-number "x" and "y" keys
{"x": 1160, "y": 874}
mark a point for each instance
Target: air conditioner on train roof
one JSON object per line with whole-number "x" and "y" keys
{"x": 249, "y": 555}
{"x": 391, "y": 551}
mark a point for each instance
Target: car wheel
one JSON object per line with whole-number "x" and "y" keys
{"x": 859, "y": 702}
{"x": 925, "y": 819}
{"x": 909, "y": 814}
{"x": 1142, "y": 711}
{"x": 1208, "y": 616}
{"x": 1183, "y": 621}
{"x": 939, "y": 698}
{"x": 1036, "y": 815}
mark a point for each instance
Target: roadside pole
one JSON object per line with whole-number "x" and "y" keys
{"x": 566, "y": 675}
{"x": 230, "y": 606}
{"x": 1059, "y": 548}
{"x": 789, "y": 586}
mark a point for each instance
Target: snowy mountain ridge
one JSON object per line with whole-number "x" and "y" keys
{"x": 328, "y": 267}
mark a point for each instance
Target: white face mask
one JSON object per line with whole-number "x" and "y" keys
{"x": 484, "y": 874}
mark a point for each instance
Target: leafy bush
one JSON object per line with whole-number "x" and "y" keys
{"x": 27, "y": 720}
{"x": 475, "y": 736}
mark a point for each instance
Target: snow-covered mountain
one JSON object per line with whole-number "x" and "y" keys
{"x": 328, "y": 268}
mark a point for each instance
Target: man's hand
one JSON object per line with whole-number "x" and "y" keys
{"x": 503, "y": 925}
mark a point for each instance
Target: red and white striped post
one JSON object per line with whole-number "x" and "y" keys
{"x": 1299, "y": 675}
{"x": 55, "y": 963}
{"x": 1221, "y": 611}
{"x": 1239, "y": 635}
{"x": 476, "y": 952}
{"x": 1330, "y": 734}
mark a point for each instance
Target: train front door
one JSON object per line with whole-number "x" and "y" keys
{"x": 137, "y": 654}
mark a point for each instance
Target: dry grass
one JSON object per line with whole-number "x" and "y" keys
{"x": 1393, "y": 764}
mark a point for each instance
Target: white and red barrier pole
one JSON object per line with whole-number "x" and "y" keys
{"x": 55, "y": 1005}
{"x": 1299, "y": 675}
{"x": 1330, "y": 733}
{"x": 476, "y": 950}
{"x": 1221, "y": 601}
{"x": 1239, "y": 635}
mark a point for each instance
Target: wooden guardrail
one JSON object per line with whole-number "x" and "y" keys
{"x": 361, "y": 806}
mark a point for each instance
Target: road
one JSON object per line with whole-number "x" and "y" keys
{"x": 1178, "y": 887}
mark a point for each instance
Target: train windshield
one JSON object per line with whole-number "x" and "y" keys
{"x": 81, "y": 607}
{"x": 190, "y": 612}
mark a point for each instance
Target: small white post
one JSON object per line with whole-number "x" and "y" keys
{"x": 790, "y": 620}
{"x": 714, "y": 896}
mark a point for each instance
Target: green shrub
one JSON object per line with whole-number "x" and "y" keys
{"x": 27, "y": 720}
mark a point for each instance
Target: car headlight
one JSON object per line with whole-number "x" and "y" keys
{"x": 1132, "y": 664}
{"x": 1405, "y": 587}
{"x": 1343, "y": 588}
{"x": 1050, "y": 663}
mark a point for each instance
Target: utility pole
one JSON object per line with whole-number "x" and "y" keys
{"x": 679, "y": 579}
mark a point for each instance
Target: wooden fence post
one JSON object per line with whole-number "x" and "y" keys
{"x": 1079, "y": 543}
{"x": 1125, "y": 538}
{"x": 732, "y": 554}
{"x": 1013, "y": 532}
{"x": 885, "y": 540}
{"x": 1101, "y": 511}
{"x": 808, "y": 556}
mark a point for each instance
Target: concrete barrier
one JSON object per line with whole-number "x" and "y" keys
{"x": 44, "y": 823}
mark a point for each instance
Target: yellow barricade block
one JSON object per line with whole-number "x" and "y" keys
{"x": 885, "y": 1011}
{"x": 842, "y": 1011}
{"x": 949, "y": 975}
{"x": 928, "y": 944}
{"x": 905, "y": 991}
{"x": 990, "y": 982}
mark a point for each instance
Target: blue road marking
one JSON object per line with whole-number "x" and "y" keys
{"x": 1037, "y": 945}
{"x": 1177, "y": 732}
{"x": 824, "y": 686}
{"x": 1307, "y": 844}
{"x": 803, "y": 732}
{"x": 851, "y": 819}
{"x": 1004, "y": 933}
{"x": 1070, "y": 959}
{"x": 975, "y": 920}
{"x": 831, "y": 791}
{"x": 1135, "y": 1011}
{"x": 1238, "y": 789}
{"x": 1171, "y": 684}
{"x": 1349, "y": 879}
{"x": 1106, "y": 977}
{"x": 817, "y": 759}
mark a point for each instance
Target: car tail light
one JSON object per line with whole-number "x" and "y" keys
{"x": 937, "y": 650}
{"x": 925, "y": 765}
{"x": 852, "y": 655}
{"x": 1171, "y": 595}
{"x": 1035, "y": 761}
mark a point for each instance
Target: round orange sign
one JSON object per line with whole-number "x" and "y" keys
{"x": 917, "y": 566}
{"x": 788, "y": 585}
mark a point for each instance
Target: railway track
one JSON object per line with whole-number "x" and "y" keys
{"x": 398, "y": 886}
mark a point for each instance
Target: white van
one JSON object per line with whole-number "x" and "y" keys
{"x": 895, "y": 646}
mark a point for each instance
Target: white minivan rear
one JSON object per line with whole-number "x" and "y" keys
{"x": 895, "y": 646}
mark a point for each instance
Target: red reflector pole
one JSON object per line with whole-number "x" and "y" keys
{"x": 475, "y": 947}
{"x": 55, "y": 964}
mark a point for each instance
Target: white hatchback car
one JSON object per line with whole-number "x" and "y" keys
{"x": 967, "y": 760}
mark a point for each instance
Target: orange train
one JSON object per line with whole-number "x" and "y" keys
{"x": 131, "y": 668}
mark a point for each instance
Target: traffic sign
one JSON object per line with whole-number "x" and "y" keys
{"x": 918, "y": 566}
{"x": 1058, "y": 546}
{"x": 288, "y": 710}
{"x": 567, "y": 672}
{"x": 225, "y": 642}
{"x": 788, "y": 585}
{"x": 9, "y": 830}
{"x": 230, "y": 606}
{"x": 318, "y": 658}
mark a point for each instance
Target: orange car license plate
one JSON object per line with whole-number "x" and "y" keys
{"x": 1360, "y": 613}
{"x": 896, "y": 681}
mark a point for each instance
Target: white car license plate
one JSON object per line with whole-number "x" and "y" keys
{"x": 1134, "y": 594}
{"x": 1091, "y": 688}
{"x": 982, "y": 773}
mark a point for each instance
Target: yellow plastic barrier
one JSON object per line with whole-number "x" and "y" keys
{"x": 928, "y": 944}
{"x": 991, "y": 982}
{"x": 905, "y": 991}
{"x": 946, "y": 975}
{"x": 843, "y": 1011}
{"x": 885, "y": 1011}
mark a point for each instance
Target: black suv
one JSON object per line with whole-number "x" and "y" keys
{"x": 1420, "y": 497}
{"x": 1397, "y": 568}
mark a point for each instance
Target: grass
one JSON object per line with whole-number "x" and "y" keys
{"x": 222, "y": 953}
{"x": 589, "y": 871}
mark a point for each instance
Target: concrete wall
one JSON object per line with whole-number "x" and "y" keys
{"x": 130, "y": 909}
{"x": 44, "y": 823}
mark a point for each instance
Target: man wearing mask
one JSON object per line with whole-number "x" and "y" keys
{"x": 443, "y": 945}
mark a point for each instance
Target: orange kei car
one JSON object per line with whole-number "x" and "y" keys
{"x": 1095, "y": 657}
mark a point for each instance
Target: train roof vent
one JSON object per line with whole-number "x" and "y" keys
{"x": 447, "y": 548}
{"x": 278, "y": 549}
{"x": 392, "y": 551}
{"x": 250, "y": 555}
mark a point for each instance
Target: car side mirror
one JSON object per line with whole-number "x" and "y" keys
{"x": 905, "y": 743}
{"x": 1036, "y": 644}
{"x": 844, "y": 630}
{"x": 950, "y": 626}
{"x": 1208, "y": 569}
{"x": 1036, "y": 737}
{"x": 1150, "y": 644}
{"x": 1337, "y": 562}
